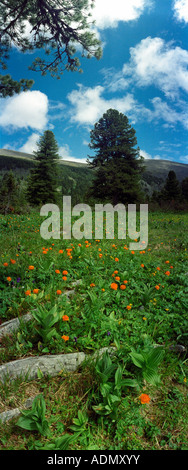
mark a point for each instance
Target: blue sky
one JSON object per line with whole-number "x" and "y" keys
{"x": 143, "y": 73}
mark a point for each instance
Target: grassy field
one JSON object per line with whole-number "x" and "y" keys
{"x": 135, "y": 302}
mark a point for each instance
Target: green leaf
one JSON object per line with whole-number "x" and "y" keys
{"x": 137, "y": 359}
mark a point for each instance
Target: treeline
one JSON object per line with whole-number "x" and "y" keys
{"x": 114, "y": 174}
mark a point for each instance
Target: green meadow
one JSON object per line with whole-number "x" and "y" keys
{"x": 134, "y": 302}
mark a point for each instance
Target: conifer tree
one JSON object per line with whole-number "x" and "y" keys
{"x": 43, "y": 180}
{"x": 117, "y": 162}
{"x": 172, "y": 189}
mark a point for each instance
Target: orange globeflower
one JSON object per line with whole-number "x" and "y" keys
{"x": 66, "y": 338}
{"x": 114, "y": 286}
{"x": 65, "y": 272}
{"x": 158, "y": 268}
{"x": 65, "y": 318}
{"x": 31, "y": 268}
{"x": 116, "y": 259}
{"x": 157, "y": 287}
{"x": 5, "y": 264}
{"x": 27, "y": 292}
{"x": 122, "y": 287}
{"x": 58, "y": 292}
{"x": 125, "y": 282}
{"x": 60, "y": 251}
{"x": 92, "y": 284}
{"x": 132, "y": 252}
{"x": 116, "y": 272}
{"x": 167, "y": 262}
{"x": 35, "y": 291}
{"x": 9, "y": 278}
{"x": 117, "y": 278}
{"x": 13, "y": 261}
{"x": 167, "y": 273}
{"x": 142, "y": 265}
{"x": 144, "y": 398}
{"x": 64, "y": 278}
{"x": 57, "y": 271}
{"x": 128, "y": 307}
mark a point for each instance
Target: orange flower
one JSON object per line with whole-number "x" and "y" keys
{"x": 57, "y": 271}
{"x": 65, "y": 272}
{"x": 5, "y": 264}
{"x": 144, "y": 398}
{"x": 9, "y": 278}
{"x": 65, "y": 318}
{"x": 142, "y": 265}
{"x": 116, "y": 272}
{"x": 103, "y": 290}
{"x": 132, "y": 252}
{"x": 167, "y": 262}
{"x": 58, "y": 292}
{"x": 117, "y": 278}
{"x": 92, "y": 284}
{"x": 31, "y": 268}
{"x": 60, "y": 251}
{"x": 79, "y": 244}
{"x": 158, "y": 269}
{"x": 125, "y": 282}
{"x": 116, "y": 259}
{"x": 122, "y": 287}
{"x": 157, "y": 287}
{"x": 35, "y": 291}
{"x": 167, "y": 273}
{"x": 64, "y": 278}
{"x": 27, "y": 292}
{"x": 114, "y": 286}
{"x": 66, "y": 338}
{"x": 128, "y": 307}
{"x": 13, "y": 261}
{"x": 100, "y": 255}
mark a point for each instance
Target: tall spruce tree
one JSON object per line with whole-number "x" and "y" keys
{"x": 117, "y": 162}
{"x": 172, "y": 189}
{"x": 43, "y": 180}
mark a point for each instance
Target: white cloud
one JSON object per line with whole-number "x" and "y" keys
{"x": 65, "y": 153}
{"x": 31, "y": 145}
{"x": 147, "y": 155}
{"x": 155, "y": 62}
{"x": 28, "y": 109}
{"x": 89, "y": 104}
{"x": 181, "y": 10}
{"x": 163, "y": 111}
{"x": 107, "y": 13}
{"x": 184, "y": 159}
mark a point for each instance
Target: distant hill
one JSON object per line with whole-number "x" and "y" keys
{"x": 77, "y": 177}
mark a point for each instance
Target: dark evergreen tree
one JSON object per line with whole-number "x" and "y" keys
{"x": 184, "y": 187}
{"x": 172, "y": 189}
{"x": 117, "y": 162}
{"x": 43, "y": 180}
{"x": 8, "y": 192}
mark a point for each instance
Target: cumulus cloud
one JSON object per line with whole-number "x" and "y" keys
{"x": 88, "y": 104}
{"x": 27, "y": 110}
{"x": 181, "y": 10}
{"x": 31, "y": 145}
{"x": 65, "y": 153}
{"x": 107, "y": 13}
{"x": 147, "y": 155}
{"x": 155, "y": 62}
